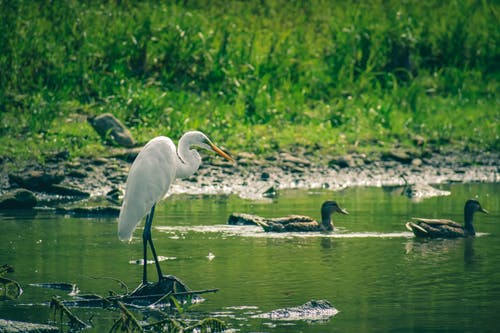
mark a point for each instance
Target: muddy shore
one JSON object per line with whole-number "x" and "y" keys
{"x": 251, "y": 177}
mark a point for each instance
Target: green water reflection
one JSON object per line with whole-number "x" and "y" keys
{"x": 372, "y": 270}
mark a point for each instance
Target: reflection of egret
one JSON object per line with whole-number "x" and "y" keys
{"x": 149, "y": 179}
{"x": 434, "y": 228}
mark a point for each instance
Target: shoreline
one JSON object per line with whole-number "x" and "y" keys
{"x": 255, "y": 178}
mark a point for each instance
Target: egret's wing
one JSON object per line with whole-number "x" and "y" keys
{"x": 148, "y": 181}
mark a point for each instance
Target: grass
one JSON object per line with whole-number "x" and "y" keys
{"x": 255, "y": 76}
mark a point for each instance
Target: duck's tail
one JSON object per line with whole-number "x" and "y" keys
{"x": 415, "y": 228}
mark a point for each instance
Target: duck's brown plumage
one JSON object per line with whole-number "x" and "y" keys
{"x": 442, "y": 228}
{"x": 292, "y": 223}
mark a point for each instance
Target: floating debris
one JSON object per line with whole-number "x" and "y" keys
{"x": 314, "y": 310}
{"x": 71, "y": 287}
{"x": 141, "y": 261}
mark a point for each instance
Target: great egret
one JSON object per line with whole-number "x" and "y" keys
{"x": 149, "y": 180}
{"x": 434, "y": 228}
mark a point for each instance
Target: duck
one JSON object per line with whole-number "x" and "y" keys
{"x": 292, "y": 223}
{"x": 442, "y": 228}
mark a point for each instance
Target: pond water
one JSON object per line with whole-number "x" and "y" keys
{"x": 371, "y": 269}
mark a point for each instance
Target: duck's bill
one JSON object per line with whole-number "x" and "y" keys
{"x": 343, "y": 211}
{"x": 482, "y": 210}
{"x": 221, "y": 152}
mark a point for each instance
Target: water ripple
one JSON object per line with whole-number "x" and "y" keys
{"x": 255, "y": 231}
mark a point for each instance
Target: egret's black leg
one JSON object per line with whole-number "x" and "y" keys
{"x": 146, "y": 234}
{"x": 147, "y": 237}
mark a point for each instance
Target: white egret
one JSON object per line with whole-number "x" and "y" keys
{"x": 149, "y": 180}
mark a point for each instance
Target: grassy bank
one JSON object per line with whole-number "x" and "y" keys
{"x": 256, "y": 76}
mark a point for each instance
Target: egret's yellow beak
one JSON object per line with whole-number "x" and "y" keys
{"x": 221, "y": 152}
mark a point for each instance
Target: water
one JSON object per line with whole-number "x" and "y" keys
{"x": 371, "y": 269}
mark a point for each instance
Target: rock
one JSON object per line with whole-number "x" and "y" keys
{"x": 416, "y": 162}
{"x": 108, "y": 127}
{"x": 11, "y": 326}
{"x": 288, "y": 158}
{"x": 67, "y": 191}
{"x": 127, "y": 155}
{"x": 59, "y": 156}
{"x": 293, "y": 168}
{"x": 271, "y": 192}
{"x": 77, "y": 174}
{"x": 99, "y": 161}
{"x": 246, "y": 159}
{"x": 398, "y": 155}
{"x": 114, "y": 195}
{"x": 36, "y": 180}
{"x": 18, "y": 199}
{"x": 98, "y": 211}
{"x": 418, "y": 140}
{"x": 342, "y": 162}
{"x": 220, "y": 162}
{"x": 420, "y": 191}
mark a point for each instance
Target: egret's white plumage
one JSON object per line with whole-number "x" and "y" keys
{"x": 152, "y": 173}
{"x": 148, "y": 182}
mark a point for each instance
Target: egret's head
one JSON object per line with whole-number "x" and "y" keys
{"x": 199, "y": 139}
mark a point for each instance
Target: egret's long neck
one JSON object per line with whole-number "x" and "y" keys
{"x": 189, "y": 159}
{"x": 468, "y": 217}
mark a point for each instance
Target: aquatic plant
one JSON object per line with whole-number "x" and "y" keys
{"x": 11, "y": 289}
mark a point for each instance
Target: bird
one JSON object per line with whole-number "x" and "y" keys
{"x": 442, "y": 228}
{"x": 156, "y": 166}
{"x": 292, "y": 223}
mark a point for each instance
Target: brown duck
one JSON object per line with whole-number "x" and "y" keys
{"x": 292, "y": 223}
{"x": 441, "y": 228}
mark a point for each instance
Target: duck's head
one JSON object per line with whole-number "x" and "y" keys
{"x": 472, "y": 206}
{"x": 327, "y": 209}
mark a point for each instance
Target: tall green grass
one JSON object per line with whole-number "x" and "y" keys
{"x": 259, "y": 76}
